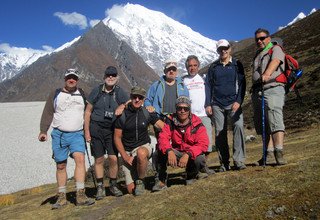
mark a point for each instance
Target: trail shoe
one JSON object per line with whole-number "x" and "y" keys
{"x": 115, "y": 191}
{"x": 270, "y": 160}
{"x": 240, "y": 166}
{"x": 201, "y": 175}
{"x": 207, "y": 170}
{"x": 224, "y": 168}
{"x": 159, "y": 186}
{"x": 101, "y": 192}
{"x": 140, "y": 189}
{"x": 82, "y": 199}
{"x": 61, "y": 201}
{"x": 279, "y": 157}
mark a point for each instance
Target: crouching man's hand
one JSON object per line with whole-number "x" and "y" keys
{"x": 184, "y": 160}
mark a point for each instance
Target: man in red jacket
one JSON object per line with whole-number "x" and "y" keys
{"x": 182, "y": 142}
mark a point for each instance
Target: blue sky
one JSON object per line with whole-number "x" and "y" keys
{"x": 35, "y": 23}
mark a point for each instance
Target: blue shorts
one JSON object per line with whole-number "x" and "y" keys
{"x": 66, "y": 143}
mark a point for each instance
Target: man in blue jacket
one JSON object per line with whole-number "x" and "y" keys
{"x": 225, "y": 90}
{"x": 161, "y": 97}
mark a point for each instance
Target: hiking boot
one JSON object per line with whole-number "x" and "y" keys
{"x": 61, "y": 201}
{"x": 101, "y": 192}
{"x": 224, "y": 168}
{"x": 279, "y": 157}
{"x": 159, "y": 186}
{"x": 240, "y": 166}
{"x": 270, "y": 159}
{"x": 82, "y": 199}
{"x": 207, "y": 170}
{"x": 115, "y": 191}
{"x": 139, "y": 189}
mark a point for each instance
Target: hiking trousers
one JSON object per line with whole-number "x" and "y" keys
{"x": 192, "y": 169}
{"x": 220, "y": 119}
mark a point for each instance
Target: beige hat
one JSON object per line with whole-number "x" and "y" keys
{"x": 170, "y": 63}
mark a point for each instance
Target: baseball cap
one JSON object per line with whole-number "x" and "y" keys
{"x": 136, "y": 90}
{"x": 111, "y": 70}
{"x": 183, "y": 100}
{"x": 71, "y": 72}
{"x": 223, "y": 43}
{"x": 170, "y": 63}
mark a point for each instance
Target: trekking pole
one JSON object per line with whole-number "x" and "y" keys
{"x": 263, "y": 126}
{"x": 92, "y": 172}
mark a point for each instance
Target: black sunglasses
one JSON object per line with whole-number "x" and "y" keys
{"x": 171, "y": 68}
{"x": 261, "y": 38}
{"x": 140, "y": 97}
{"x": 71, "y": 77}
{"x": 113, "y": 75}
{"x": 220, "y": 49}
{"x": 180, "y": 108}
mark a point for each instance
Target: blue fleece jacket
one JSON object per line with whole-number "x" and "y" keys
{"x": 156, "y": 93}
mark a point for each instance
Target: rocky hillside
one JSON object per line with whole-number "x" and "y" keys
{"x": 301, "y": 40}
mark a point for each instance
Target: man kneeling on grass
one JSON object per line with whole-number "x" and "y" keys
{"x": 183, "y": 142}
{"x": 133, "y": 142}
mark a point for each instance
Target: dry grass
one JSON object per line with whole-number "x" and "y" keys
{"x": 285, "y": 192}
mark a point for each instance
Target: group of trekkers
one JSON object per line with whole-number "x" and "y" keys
{"x": 183, "y": 113}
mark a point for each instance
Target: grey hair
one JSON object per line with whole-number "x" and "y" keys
{"x": 191, "y": 57}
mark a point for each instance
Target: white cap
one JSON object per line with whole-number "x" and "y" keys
{"x": 223, "y": 43}
{"x": 72, "y": 72}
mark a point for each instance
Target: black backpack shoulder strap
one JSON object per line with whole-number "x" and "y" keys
{"x": 98, "y": 95}
{"x": 146, "y": 113}
{"x": 116, "y": 94}
{"x": 83, "y": 95}
{"x": 56, "y": 93}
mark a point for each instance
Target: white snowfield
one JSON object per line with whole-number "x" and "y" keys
{"x": 25, "y": 162}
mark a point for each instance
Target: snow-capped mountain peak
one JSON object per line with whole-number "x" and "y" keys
{"x": 300, "y": 16}
{"x": 14, "y": 59}
{"x": 157, "y": 37}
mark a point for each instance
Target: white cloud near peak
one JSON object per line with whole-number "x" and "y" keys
{"x": 73, "y": 19}
{"x": 94, "y": 22}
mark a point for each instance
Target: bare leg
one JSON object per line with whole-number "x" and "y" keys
{"x": 142, "y": 162}
{"x": 113, "y": 166}
{"x": 80, "y": 170}
{"x": 98, "y": 167}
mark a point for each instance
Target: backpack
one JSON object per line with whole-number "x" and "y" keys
{"x": 56, "y": 93}
{"x": 115, "y": 94}
{"x": 291, "y": 72}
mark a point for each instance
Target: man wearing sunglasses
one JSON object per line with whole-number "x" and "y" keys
{"x": 266, "y": 68}
{"x": 183, "y": 142}
{"x": 99, "y": 127}
{"x": 161, "y": 98}
{"x": 225, "y": 90}
{"x": 132, "y": 140}
{"x": 64, "y": 109}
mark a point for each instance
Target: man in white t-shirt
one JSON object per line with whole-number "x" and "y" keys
{"x": 64, "y": 111}
{"x": 196, "y": 87}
